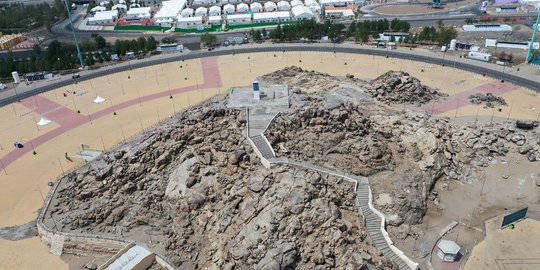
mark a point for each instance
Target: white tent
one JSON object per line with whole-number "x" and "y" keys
{"x": 270, "y": 6}
{"x": 295, "y": 3}
{"x": 242, "y": 8}
{"x": 214, "y": 11}
{"x": 284, "y": 5}
{"x": 99, "y": 99}
{"x": 302, "y": 13}
{"x": 228, "y": 9}
{"x": 187, "y": 12}
{"x": 201, "y": 11}
{"x": 98, "y": 9}
{"x": 43, "y": 121}
{"x": 255, "y": 7}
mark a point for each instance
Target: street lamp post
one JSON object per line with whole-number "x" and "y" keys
{"x": 74, "y": 35}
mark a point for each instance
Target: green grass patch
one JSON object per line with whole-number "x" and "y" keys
{"x": 252, "y": 25}
{"x": 213, "y": 28}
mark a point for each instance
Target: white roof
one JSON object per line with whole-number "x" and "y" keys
{"x": 343, "y": 12}
{"x": 238, "y": 16}
{"x": 214, "y": 18}
{"x": 197, "y": 19}
{"x": 187, "y": 12}
{"x": 302, "y": 11}
{"x": 201, "y": 10}
{"x": 215, "y": 8}
{"x": 310, "y": 2}
{"x": 330, "y": 2}
{"x": 104, "y": 15}
{"x": 242, "y": 6}
{"x": 129, "y": 259}
{"x": 448, "y": 247}
{"x": 228, "y": 6}
{"x": 140, "y": 10}
{"x": 98, "y": 9}
{"x": 255, "y": 5}
{"x": 119, "y": 6}
{"x": 270, "y": 4}
{"x": 284, "y": 5}
{"x": 272, "y": 15}
{"x": 295, "y": 3}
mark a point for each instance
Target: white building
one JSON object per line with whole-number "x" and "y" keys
{"x": 339, "y": 2}
{"x": 479, "y": 56}
{"x": 242, "y": 8}
{"x": 168, "y": 12}
{"x": 511, "y": 44}
{"x": 295, "y": 3}
{"x": 448, "y": 250}
{"x": 213, "y": 20}
{"x": 203, "y": 2}
{"x": 302, "y": 13}
{"x": 228, "y": 9}
{"x": 398, "y": 36}
{"x": 313, "y": 5}
{"x": 120, "y": 7}
{"x": 238, "y": 19}
{"x": 339, "y": 13}
{"x": 487, "y": 28}
{"x": 138, "y": 13}
{"x": 98, "y": 9}
{"x": 187, "y": 12}
{"x": 103, "y": 17}
{"x": 214, "y": 11}
{"x": 270, "y": 6}
{"x": 277, "y": 16}
{"x": 283, "y": 6}
{"x": 201, "y": 11}
{"x": 189, "y": 21}
{"x": 255, "y": 7}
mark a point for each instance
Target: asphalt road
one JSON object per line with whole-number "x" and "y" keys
{"x": 6, "y": 100}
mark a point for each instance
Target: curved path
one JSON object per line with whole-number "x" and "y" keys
{"x": 463, "y": 64}
{"x": 374, "y": 220}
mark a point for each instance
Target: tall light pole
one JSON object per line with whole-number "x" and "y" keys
{"x": 531, "y": 45}
{"x": 74, "y": 35}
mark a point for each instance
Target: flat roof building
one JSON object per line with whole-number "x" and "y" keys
{"x": 487, "y": 28}
{"x": 139, "y": 13}
{"x": 238, "y": 18}
{"x": 277, "y": 16}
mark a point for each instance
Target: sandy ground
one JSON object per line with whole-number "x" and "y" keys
{"x": 22, "y": 188}
{"x": 507, "y": 249}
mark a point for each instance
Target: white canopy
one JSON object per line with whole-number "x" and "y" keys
{"x": 43, "y": 121}
{"x": 99, "y": 99}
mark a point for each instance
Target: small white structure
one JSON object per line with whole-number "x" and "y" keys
{"x": 277, "y": 16}
{"x": 203, "y": 2}
{"x": 98, "y": 100}
{"x": 189, "y": 21}
{"x": 43, "y": 121}
{"x": 238, "y": 18}
{"x": 447, "y": 250}
{"x": 479, "y": 56}
{"x": 270, "y": 6}
{"x": 201, "y": 11}
{"x": 453, "y": 44}
{"x": 302, "y": 13}
{"x": 104, "y": 17}
{"x": 98, "y": 9}
{"x": 487, "y": 28}
{"x": 138, "y": 13}
{"x": 214, "y": 20}
{"x": 283, "y": 6}
{"x": 339, "y": 13}
{"x": 295, "y": 3}
{"x": 338, "y": 2}
{"x": 16, "y": 77}
{"x": 398, "y": 36}
{"x": 242, "y": 8}
{"x": 255, "y": 7}
{"x": 313, "y": 5}
{"x": 214, "y": 11}
{"x": 187, "y": 12}
{"x": 120, "y": 7}
{"x": 511, "y": 44}
{"x": 135, "y": 257}
{"x": 228, "y": 9}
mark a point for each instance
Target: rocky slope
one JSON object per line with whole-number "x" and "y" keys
{"x": 194, "y": 191}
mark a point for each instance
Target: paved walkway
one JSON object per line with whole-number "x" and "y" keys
{"x": 69, "y": 120}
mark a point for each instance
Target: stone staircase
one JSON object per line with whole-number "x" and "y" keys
{"x": 374, "y": 227}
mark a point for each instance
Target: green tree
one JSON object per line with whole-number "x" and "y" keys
{"x": 101, "y": 43}
{"x": 209, "y": 39}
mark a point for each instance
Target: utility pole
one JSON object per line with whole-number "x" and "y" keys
{"x": 531, "y": 44}
{"x": 74, "y": 35}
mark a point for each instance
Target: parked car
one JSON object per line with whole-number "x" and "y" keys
{"x": 3, "y": 86}
{"x": 76, "y": 76}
